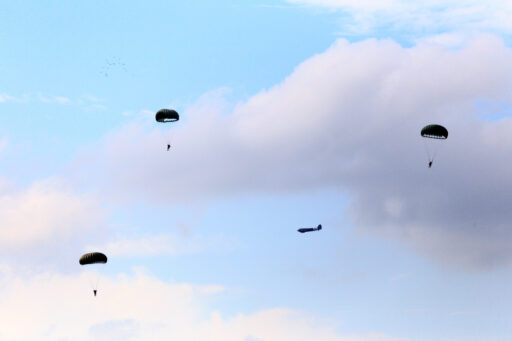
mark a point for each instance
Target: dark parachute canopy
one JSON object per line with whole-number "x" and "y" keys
{"x": 167, "y": 115}
{"x": 434, "y": 131}
{"x": 93, "y": 258}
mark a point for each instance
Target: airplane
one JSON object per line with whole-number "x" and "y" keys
{"x": 310, "y": 229}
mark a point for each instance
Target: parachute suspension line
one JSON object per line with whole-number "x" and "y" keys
{"x": 170, "y": 138}
{"x": 435, "y": 148}
{"x": 91, "y": 281}
{"x": 430, "y": 159}
{"x": 432, "y": 148}
{"x": 434, "y": 152}
{"x": 97, "y": 285}
{"x": 94, "y": 279}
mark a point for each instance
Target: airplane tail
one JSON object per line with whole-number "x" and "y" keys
{"x": 319, "y": 227}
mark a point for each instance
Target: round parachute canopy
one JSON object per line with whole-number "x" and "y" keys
{"x": 93, "y": 258}
{"x": 167, "y": 115}
{"x": 434, "y": 131}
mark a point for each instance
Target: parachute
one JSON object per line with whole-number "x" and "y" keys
{"x": 90, "y": 259}
{"x": 93, "y": 258}
{"x": 433, "y": 132}
{"x": 167, "y": 116}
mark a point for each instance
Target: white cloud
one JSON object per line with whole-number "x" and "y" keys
{"x": 45, "y": 211}
{"x": 91, "y": 98}
{"x": 3, "y": 143}
{"x": 350, "y": 118}
{"x": 141, "y": 307}
{"x": 4, "y": 98}
{"x": 61, "y": 100}
{"x": 86, "y": 102}
{"x": 419, "y": 16}
{"x": 52, "y": 99}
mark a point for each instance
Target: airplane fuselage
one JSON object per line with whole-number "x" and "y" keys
{"x": 310, "y": 229}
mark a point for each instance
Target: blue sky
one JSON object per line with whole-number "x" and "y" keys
{"x": 293, "y": 113}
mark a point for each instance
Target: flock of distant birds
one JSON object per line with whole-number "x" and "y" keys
{"x": 111, "y": 64}
{"x": 431, "y": 131}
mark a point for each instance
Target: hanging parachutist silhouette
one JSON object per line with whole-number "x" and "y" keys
{"x": 94, "y": 291}
{"x": 168, "y": 147}
{"x": 430, "y": 164}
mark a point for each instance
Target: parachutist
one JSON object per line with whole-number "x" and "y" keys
{"x": 435, "y": 132}
{"x": 93, "y": 258}
{"x": 165, "y": 116}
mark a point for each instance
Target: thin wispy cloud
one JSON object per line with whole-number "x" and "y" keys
{"x": 164, "y": 244}
{"x": 418, "y": 17}
{"x": 88, "y": 102}
{"x": 52, "y": 99}
{"x": 4, "y": 142}
{"x": 6, "y": 98}
{"x": 463, "y": 313}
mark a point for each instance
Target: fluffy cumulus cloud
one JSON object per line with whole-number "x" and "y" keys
{"x": 419, "y": 16}
{"x": 141, "y": 307}
{"x": 44, "y": 211}
{"x": 350, "y": 118}
{"x": 46, "y": 222}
